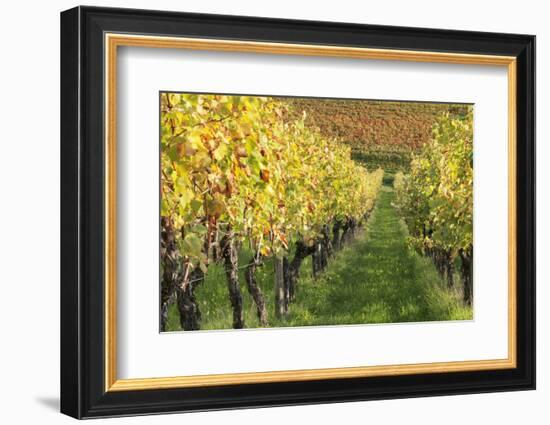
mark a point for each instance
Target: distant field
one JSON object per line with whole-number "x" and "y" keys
{"x": 380, "y": 134}
{"x": 405, "y": 125}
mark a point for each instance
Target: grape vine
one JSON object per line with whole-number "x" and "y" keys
{"x": 436, "y": 199}
{"x": 235, "y": 171}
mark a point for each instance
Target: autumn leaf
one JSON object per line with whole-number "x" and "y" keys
{"x": 264, "y": 175}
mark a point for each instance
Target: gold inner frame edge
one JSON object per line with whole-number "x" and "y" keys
{"x": 111, "y": 43}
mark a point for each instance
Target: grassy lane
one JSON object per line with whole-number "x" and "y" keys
{"x": 379, "y": 280}
{"x": 376, "y": 279}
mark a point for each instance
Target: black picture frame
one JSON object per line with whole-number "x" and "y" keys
{"x": 83, "y": 392}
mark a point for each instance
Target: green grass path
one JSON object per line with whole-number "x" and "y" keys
{"x": 376, "y": 279}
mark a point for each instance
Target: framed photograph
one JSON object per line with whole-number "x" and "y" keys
{"x": 261, "y": 212}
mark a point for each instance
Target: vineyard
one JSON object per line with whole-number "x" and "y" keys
{"x": 270, "y": 216}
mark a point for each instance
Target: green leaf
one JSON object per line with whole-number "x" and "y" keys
{"x": 196, "y": 205}
{"x": 199, "y": 229}
{"x": 191, "y": 246}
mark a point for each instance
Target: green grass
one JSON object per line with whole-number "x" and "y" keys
{"x": 376, "y": 279}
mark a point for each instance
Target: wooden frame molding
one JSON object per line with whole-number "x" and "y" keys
{"x": 114, "y": 40}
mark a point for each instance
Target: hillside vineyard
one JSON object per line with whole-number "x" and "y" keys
{"x": 297, "y": 212}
